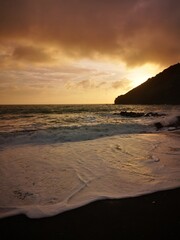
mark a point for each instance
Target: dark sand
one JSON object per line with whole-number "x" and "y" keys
{"x": 153, "y": 216}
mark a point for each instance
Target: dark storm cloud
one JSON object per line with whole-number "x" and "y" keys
{"x": 135, "y": 31}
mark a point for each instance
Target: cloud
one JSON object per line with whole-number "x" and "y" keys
{"x": 134, "y": 31}
{"x": 85, "y": 84}
{"x": 123, "y": 84}
{"x": 82, "y": 84}
{"x": 31, "y": 54}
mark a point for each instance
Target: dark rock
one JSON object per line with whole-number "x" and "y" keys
{"x": 175, "y": 124}
{"x": 131, "y": 114}
{"x": 164, "y": 88}
{"x": 139, "y": 114}
{"x": 158, "y": 125}
{"x": 154, "y": 114}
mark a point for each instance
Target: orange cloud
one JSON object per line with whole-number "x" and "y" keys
{"x": 134, "y": 31}
{"x": 123, "y": 84}
{"x": 31, "y": 54}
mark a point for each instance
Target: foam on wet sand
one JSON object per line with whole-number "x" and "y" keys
{"x": 45, "y": 180}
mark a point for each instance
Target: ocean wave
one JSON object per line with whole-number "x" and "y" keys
{"x": 71, "y": 133}
{"x": 170, "y": 123}
{"x": 62, "y": 123}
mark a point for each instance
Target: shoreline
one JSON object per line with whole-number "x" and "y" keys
{"x": 151, "y": 216}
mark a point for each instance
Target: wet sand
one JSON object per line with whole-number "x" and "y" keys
{"x": 153, "y": 216}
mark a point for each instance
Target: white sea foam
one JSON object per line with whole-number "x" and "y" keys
{"x": 47, "y": 179}
{"x": 71, "y": 134}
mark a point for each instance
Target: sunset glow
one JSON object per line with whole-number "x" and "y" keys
{"x": 79, "y": 51}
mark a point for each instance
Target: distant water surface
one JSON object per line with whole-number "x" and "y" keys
{"x": 62, "y": 123}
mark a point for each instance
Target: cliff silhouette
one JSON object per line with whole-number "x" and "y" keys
{"x": 164, "y": 88}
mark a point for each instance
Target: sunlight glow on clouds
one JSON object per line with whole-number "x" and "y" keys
{"x": 84, "y": 81}
{"x": 80, "y": 51}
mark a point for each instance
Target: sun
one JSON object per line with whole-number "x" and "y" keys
{"x": 139, "y": 75}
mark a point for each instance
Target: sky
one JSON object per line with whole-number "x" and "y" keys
{"x": 83, "y": 51}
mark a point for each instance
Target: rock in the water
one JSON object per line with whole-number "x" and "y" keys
{"x": 158, "y": 125}
{"x": 172, "y": 125}
{"x": 139, "y": 114}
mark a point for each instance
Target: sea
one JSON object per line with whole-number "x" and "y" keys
{"x": 54, "y": 158}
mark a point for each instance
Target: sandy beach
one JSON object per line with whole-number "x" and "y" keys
{"x": 152, "y": 216}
